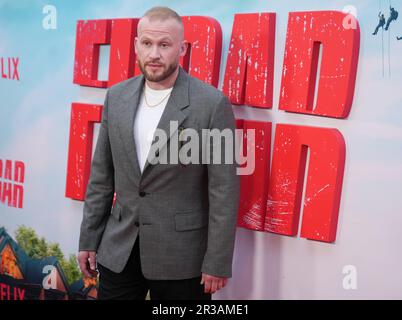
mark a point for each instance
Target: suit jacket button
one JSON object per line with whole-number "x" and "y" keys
{"x": 137, "y": 224}
{"x": 142, "y": 194}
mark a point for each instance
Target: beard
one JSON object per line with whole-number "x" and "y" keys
{"x": 157, "y": 77}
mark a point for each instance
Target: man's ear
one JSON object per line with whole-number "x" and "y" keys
{"x": 183, "y": 48}
{"x": 135, "y": 44}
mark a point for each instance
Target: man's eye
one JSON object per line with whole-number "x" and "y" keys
{"x": 164, "y": 45}
{"x": 146, "y": 43}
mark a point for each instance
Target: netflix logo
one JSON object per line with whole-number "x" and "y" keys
{"x": 11, "y": 183}
{"x": 11, "y": 293}
{"x": 9, "y": 68}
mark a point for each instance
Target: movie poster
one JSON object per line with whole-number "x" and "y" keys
{"x": 318, "y": 81}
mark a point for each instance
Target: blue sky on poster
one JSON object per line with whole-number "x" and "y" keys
{"x": 35, "y": 112}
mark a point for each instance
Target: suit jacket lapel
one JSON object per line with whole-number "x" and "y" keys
{"x": 131, "y": 98}
{"x": 174, "y": 111}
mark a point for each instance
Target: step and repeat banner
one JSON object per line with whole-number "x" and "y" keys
{"x": 321, "y": 210}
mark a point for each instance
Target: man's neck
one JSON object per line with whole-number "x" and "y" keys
{"x": 166, "y": 83}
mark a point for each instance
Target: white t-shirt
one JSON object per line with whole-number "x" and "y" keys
{"x": 147, "y": 119}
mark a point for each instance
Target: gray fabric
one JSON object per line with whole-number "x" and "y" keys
{"x": 187, "y": 219}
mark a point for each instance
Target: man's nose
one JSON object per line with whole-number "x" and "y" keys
{"x": 154, "y": 52}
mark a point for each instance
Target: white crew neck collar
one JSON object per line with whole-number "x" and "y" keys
{"x": 153, "y": 91}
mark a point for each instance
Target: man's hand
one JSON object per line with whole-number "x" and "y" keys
{"x": 87, "y": 263}
{"x": 212, "y": 283}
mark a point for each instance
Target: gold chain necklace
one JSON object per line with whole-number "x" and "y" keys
{"x": 154, "y": 105}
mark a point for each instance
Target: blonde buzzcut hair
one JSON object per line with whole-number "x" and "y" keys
{"x": 163, "y": 13}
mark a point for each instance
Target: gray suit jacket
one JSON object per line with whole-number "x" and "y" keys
{"x": 185, "y": 215}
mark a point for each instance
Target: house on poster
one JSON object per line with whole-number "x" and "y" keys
{"x": 24, "y": 278}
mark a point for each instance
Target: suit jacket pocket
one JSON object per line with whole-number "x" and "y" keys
{"x": 192, "y": 220}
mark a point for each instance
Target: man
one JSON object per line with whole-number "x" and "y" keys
{"x": 381, "y": 23}
{"x": 393, "y": 15}
{"x": 172, "y": 228}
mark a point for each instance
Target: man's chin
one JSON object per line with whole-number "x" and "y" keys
{"x": 159, "y": 75}
{"x": 155, "y": 78}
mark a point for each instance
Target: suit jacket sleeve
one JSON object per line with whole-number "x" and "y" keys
{"x": 223, "y": 194}
{"x": 100, "y": 189}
